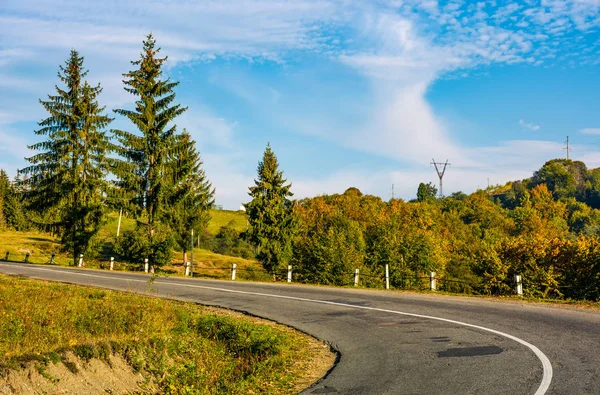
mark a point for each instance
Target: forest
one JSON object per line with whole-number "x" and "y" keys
{"x": 545, "y": 228}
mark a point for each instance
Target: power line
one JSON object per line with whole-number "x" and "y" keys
{"x": 440, "y": 173}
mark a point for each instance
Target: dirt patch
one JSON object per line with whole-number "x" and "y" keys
{"x": 75, "y": 376}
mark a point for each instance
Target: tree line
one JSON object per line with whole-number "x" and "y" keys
{"x": 546, "y": 228}
{"x": 80, "y": 170}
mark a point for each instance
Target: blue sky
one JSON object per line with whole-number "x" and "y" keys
{"x": 349, "y": 93}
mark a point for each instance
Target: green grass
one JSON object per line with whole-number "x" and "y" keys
{"x": 219, "y": 218}
{"x": 207, "y": 264}
{"x": 181, "y": 348}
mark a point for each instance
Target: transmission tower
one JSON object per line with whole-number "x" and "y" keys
{"x": 567, "y": 147}
{"x": 440, "y": 173}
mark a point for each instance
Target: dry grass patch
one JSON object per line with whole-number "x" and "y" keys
{"x": 180, "y": 348}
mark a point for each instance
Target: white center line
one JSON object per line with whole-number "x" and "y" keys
{"x": 546, "y": 365}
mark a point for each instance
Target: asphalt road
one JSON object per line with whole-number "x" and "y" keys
{"x": 399, "y": 342}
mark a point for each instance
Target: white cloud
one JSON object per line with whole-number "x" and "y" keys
{"x": 590, "y": 131}
{"x": 397, "y": 45}
{"x": 529, "y": 126}
{"x": 206, "y": 128}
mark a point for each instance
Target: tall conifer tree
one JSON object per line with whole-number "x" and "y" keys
{"x": 190, "y": 193}
{"x": 147, "y": 152}
{"x": 67, "y": 175}
{"x": 270, "y": 214}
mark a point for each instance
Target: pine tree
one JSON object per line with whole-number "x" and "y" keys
{"x": 191, "y": 195}
{"x": 4, "y": 185}
{"x": 146, "y": 154}
{"x": 12, "y": 205}
{"x": 5, "y": 189}
{"x": 66, "y": 180}
{"x": 270, "y": 214}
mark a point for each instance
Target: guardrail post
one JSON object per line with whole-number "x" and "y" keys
{"x": 289, "y": 277}
{"x": 518, "y": 285}
{"x": 432, "y": 282}
{"x": 356, "y": 277}
{"x": 387, "y": 276}
{"x": 112, "y": 262}
{"x": 6, "y": 257}
{"x": 80, "y": 260}
{"x": 187, "y": 268}
{"x": 233, "y": 267}
{"x": 27, "y": 257}
{"x": 52, "y": 258}
{"x": 146, "y": 265}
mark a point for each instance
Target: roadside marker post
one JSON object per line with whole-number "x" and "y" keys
{"x": 519, "y": 285}
{"x": 112, "y": 262}
{"x": 146, "y": 265}
{"x": 187, "y": 268}
{"x": 356, "y": 277}
{"x": 27, "y": 257}
{"x": 387, "y": 276}
{"x": 52, "y": 258}
{"x": 80, "y": 260}
{"x": 432, "y": 282}
{"x": 6, "y": 257}
{"x": 289, "y": 277}
{"x": 233, "y": 267}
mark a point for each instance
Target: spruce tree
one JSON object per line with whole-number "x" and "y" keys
{"x": 12, "y": 205}
{"x": 66, "y": 179}
{"x": 270, "y": 214}
{"x": 190, "y": 193}
{"x": 147, "y": 152}
{"x": 4, "y": 187}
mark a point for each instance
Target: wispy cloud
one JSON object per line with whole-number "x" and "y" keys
{"x": 400, "y": 48}
{"x": 529, "y": 126}
{"x": 590, "y": 131}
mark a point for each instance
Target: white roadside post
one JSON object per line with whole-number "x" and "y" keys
{"x": 387, "y": 276}
{"x": 80, "y": 260}
{"x": 356, "y": 277}
{"x": 233, "y": 267}
{"x": 146, "y": 265}
{"x": 187, "y": 268}
{"x": 519, "y": 285}
{"x": 112, "y": 262}
{"x": 289, "y": 277}
{"x": 432, "y": 282}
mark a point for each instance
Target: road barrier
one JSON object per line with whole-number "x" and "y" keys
{"x": 386, "y": 277}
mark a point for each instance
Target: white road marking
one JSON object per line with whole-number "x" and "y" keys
{"x": 546, "y": 365}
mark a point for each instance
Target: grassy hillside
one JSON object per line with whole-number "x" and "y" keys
{"x": 207, "y": 263}
{"x": 219, "y": 218}
{"x": 236, "y": 219}
{"x": 179, "y": 348}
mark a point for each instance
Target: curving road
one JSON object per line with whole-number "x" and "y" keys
{"x": 397, "y": 342}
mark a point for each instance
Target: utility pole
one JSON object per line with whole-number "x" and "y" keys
{"x": 393, "y": 192}
{"x": 440, "y": 173}
{"x": 567, "y": 147}
{"x": 192, "y": 255}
